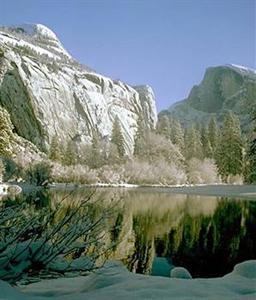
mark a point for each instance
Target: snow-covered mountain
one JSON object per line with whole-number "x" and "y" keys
{"x": 49, "y": 93}
{"x": 223, "y": 88}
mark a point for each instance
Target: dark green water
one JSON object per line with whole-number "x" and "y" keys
{"x": 208, "y": 235}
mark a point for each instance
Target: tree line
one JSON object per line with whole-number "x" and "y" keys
{"x": 168, "y": 154}
{"x": 233, "y": 152}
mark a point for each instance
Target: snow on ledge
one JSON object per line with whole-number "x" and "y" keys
{"x": 243, "y": 68}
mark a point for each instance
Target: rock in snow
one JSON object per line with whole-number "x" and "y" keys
{"x": 53, "y": 94}
{"x": 115, "y": 282}
{"x": 180, "y": 272}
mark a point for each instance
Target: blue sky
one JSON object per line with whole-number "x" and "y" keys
{"x": 166, "y": 44}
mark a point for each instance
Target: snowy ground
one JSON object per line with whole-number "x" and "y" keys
{"x": 115, "y": 282}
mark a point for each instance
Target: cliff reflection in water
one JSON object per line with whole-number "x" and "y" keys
{"x": 206, "y": 235}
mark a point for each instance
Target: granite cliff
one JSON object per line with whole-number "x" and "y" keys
{"x": 49, "y": 93}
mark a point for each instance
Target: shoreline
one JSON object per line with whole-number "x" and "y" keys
{"x": 215, "y": 190}
{"x": 245, "y": 191}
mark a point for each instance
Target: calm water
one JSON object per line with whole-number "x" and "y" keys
{"x": 154, "y": 230}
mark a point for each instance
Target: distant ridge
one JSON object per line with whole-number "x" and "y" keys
{"x": 228, "y": 87}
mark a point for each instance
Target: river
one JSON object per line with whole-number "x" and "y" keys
{"x": 154, "y": 229}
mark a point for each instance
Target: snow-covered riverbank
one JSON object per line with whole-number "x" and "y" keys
{"x": 115, "y": 282}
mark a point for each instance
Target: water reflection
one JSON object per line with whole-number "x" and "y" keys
{"x": 206, "y": 235}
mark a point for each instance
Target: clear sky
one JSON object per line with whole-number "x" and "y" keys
{"x": 167, "y": 44}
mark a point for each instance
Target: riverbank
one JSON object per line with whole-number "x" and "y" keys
{"x": 218, "y": 190}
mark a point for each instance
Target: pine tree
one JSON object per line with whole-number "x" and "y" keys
{"x": 198, "y": 126}
{"x": 96, "y": 159}
{"x": 252, "y": 161}
{"x": 5, "y": 132}
{"x": 140, "y": 140}
{"x": 2, "y": 170}
{"x": 229, "y": 155}
{"x": 252, "y": 156}
{"x": 206, "y": 144}
{"x": 193, "y": 144}
{"x": 112, "y": 155}
{"x": 117, "y": 137}
{"x": 213, "y": 134}
{"x": 55, "y": 150}
{"x": 70, "y": 154}
{"x": 164, "y": 127}
{"x": 177, "y": 135}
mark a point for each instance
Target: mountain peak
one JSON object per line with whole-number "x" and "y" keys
{"x": 37, "y": 36}
{"x": 36, "y": 30}
{"x": 223, "y": 88}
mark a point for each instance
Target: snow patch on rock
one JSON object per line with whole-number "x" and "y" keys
{"x": 243, "y": 68}
{"x": 179, "y": 272}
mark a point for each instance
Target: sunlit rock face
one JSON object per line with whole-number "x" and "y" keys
{"x": 48, "y": 93}
{"x": 223, "y": 88}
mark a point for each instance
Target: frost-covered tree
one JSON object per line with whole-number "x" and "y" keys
{"x": 229, "y": 156}
{"x": 117, "y": 137}
{"x": 160, "y": 171}
{"x": 157, "y": 147}
{"x": 202, "y": 171}
{"x": 5, "y": 132}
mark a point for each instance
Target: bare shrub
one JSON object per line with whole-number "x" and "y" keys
{"x": 159, "y": 172}
{"x": 204, "y": 172}
{"x": 235, "y": 179}
{"x": 111, "y": 174}
{"x": 75, "y": 174}
{"x": 157, "y": 147}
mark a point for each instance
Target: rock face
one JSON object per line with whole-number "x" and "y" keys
{"x": 48, "y": 93}
{"x": 223, "y": 88}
